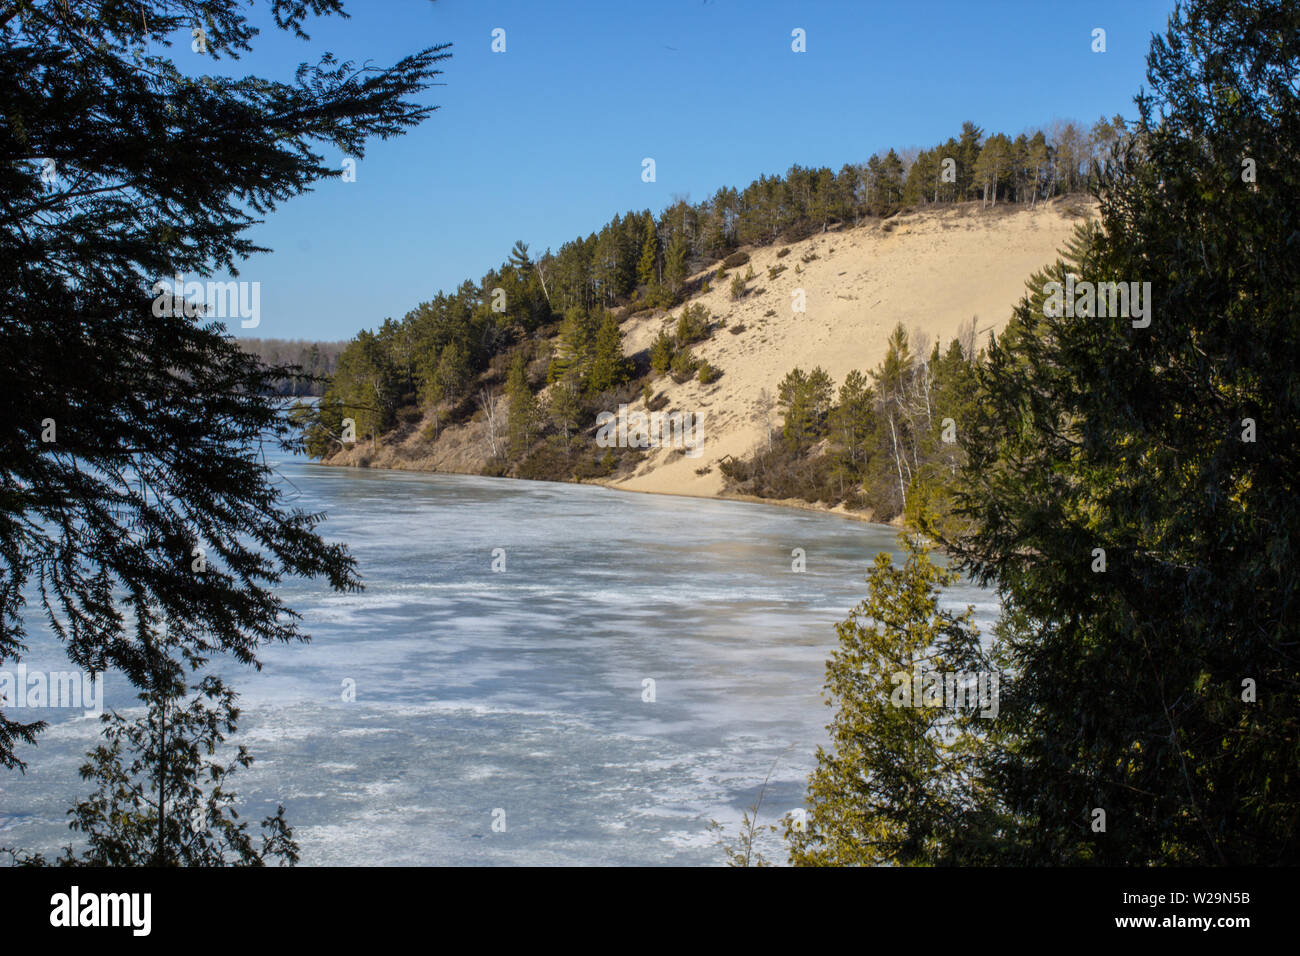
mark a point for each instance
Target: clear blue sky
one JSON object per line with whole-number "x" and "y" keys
{"x": 544, "y": 142}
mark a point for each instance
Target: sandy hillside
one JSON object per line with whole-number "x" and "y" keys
{"x": 932, "y": 271}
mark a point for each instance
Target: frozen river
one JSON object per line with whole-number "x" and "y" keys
{"x": 523, "y": 690}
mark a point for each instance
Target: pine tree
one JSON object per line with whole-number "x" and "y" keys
{"x": 524, "y": 411}
{"x": 609, "y": 367}
{"x": 157, "y": 414}
{"x": 805, "y": 399}
{"x": 365, "y": 385}
{"x": 852, "y": 424}
{"x": 647, "y": 268}
{"x": 662, "y": 350}
{"x": 968, "y": 148}
{"x": 576, "y": 346}
{"x": 675, "y": 273}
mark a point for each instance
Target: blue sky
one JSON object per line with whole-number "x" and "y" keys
{"x": 545, "y": 141}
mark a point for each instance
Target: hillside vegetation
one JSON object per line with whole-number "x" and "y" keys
{"x": 703, "y": 311}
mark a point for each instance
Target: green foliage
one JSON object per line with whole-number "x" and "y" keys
{"x": 163, "y": 798}
{"x": 708, "y": 374}
{"x": 692, "y": 325}
{"x": 365, "y": 385}
{"x": 662, "y": 351}
{"x": 566, "y": 409}
{"x": 576, "y": 347}
{"x": 684, "y": 365}
{"x": 160, "y": 416}
{"x": 638, "y": 261}
{"x": 610, "y": 368}
{"x": 525, "y": 415}
{"x": 806, "y": 401}
{"x": 647, "y": 268}
{"x": 1092, "y": 433}
{"x": 675, "y": 270}
{"x": 886, "y": 437}
{"x": 901, "y": 784}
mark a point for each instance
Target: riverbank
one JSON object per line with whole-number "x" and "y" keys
{"x": 829, "y": 301}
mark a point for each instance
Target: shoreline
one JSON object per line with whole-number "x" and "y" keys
{"x": 790, "y": 503}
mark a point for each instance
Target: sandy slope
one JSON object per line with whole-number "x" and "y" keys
{"x": 932, "y": 271}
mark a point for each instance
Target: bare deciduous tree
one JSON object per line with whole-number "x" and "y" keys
{"x": 488, "y": 400}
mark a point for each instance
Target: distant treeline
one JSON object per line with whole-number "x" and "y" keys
{"x": 435, "y": 355}
{"x": 317, "y": 360}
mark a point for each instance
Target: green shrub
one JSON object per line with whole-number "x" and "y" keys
{"x": 708, "y": 373}
{"x": 693, "y": 325}
{"x": 736, "y": 260}
{"x": 774, "y": 271}
{"x": 783, "y": 253}
{"x": 684, "y": 365}
{"x": 738, "y": 287}
{"x": 661, "y": 353}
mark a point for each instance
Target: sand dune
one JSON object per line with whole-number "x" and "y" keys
{"x": 932, "y": 271}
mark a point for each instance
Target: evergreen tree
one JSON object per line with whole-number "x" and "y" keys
{"x": 157, "y": 415}
{"x": 524, "y": 411}
{"x": 365, "y": 385}
{"x": 647, "y": 268}
{"x": 576, "y": 346}
{"x": 675, "y": 272}
{"x": 1133, "y": 489}
{"x": 805, "y": 399}
{"x": 452, "y": 375}
{"x": 662, "y": 350}
{"x": 853, "y": 423}
{"x": 609, "y": 367}
{"x": 968, "y": 153}
{"x": 991, "y": 168}
{"x": 899, "y": 773}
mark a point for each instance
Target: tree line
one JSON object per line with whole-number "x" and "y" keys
{"x": 433, "y": 355}
{"x": 309, "y": 364}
